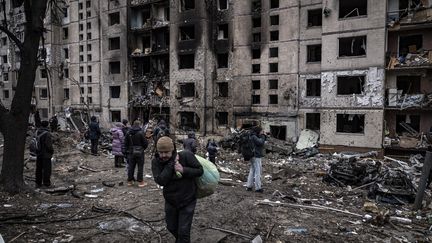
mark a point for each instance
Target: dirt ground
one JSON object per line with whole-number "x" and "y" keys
{"x": 101, "y": 208}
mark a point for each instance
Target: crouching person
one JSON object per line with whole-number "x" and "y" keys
{"x": 176, "y": 172}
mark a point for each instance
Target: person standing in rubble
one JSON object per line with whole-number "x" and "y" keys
{"x": 37, "y": 119}
{"x": 212, "y": 150}
{"x": 117, "y": 144}
{"x": 54, "y": 123}
{"x": 44, "y": 155}
{"x": 136, "y": 143}
{"x": 94, "y": 134}
{"x": 190, "y": 143}
{"x": 126, "y": 128}
{"x": 177, "y": 173}
{"x": 160, "y": 130}
{"x": 254, "y": 179}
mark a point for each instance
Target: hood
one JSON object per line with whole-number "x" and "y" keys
{"x": 191, "y": 135}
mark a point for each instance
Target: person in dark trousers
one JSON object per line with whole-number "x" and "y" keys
{"x": 44, "y": 155}
{"x": 190, "y": 143}
{"x": 126, "y": 128}
{"x": 136, "y": 143}
{"x": 54, "y": 123}
{"x": 94, "y": 134}
{"x": 177, "y": 172}
{"x": 212, "y": 150}
{"x": 255, "y": 170}
{"x": 37, "y": 119}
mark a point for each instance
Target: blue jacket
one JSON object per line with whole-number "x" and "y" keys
{"x": 258, "y": 141}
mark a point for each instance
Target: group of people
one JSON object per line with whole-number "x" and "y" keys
{"x": 175, "y": 171}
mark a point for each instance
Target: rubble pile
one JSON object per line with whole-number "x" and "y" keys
{"x": 352, "y": 172}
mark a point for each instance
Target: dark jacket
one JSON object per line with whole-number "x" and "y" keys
{"x": 177, "y": 191}
{"x": 135, "y": 137}
{"x": 190, "y": 143}
{"x": 46, "y": 148}
{"x": 94, "y": 130}
{"x": 212, "y": 149}
{"x": 258, "y": 141}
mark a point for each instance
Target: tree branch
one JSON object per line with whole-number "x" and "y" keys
{"x": 12, "y": 37}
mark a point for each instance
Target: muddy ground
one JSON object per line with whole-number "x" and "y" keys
{"x": 101, "y": 208}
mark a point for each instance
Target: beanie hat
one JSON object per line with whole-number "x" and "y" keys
{"x": 165, "y": 144}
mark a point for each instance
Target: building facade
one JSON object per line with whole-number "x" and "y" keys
{"x": 337, "y": 67}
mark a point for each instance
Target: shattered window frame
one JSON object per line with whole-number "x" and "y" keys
{"x": 223, "y": 28}
{"x": 414, "y": 121}
{"x": 348, "y": 9}
{"x": 348, "y": 124}
{"x": 273, "y": 99}
{"x": 114, "y": 67}
{"x": 115, "y": 92}
{"x": 314, "y": 18}
{"x": 114, "y": 18}
{"x": 274, "y": 20}
{"x": 224, "y": 5}
{"x": 313, "y": 87}
{"x": 223, "y": 89}
{"x": 256, "y": 68}
{"x": 273, "y": 84}
{"x": 186, "y": 5}
{"x": 222, "y": 118}
{"x": 313, "y": 121}
{"x": 256, "y": 22}
{"x": 256, "y": 37}
{"x": 223, "y": 60}
{"x": 356, "y": 44}
{"x": 186, "y": 61}
{"x": 273, "y": 67}
{"x": 278, "y": 132}
{"x": 273, "y": 52}
{"x": 66, "y": 94}
{"x": 5, "y": 76}
{"x": 256, "y": 53}
{"x": 409, "y": 84}
{"x": 187, "y": 90}
{"x": 115, "y": 115}
{"x": 43, "y": 93}
{"x": 187, "y": 32}
{"x": 274, "y": 4}
{"x": 256, "y": 99}
{"x": 314, "y": 53}
{"x": 274, "y": 35}
{"x": 256, "y": 84}
{"x": 256, "y": 6}
{"x": 346, "y": 86}
{"x": 6, "y": 94}
{"x": 114, "y": 43}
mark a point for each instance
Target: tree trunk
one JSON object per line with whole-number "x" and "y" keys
{"x": 15, "y": 121}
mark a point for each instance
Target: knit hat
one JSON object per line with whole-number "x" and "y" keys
{"x": 165, "y": 144}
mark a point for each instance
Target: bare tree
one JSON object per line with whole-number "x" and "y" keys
{"x": 14, "y": 121}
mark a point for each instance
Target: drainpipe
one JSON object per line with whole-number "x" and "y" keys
{"x": 298, "y": 68}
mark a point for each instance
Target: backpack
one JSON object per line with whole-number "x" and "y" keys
{"x": 35, "y": 146}
{"x": 247, "y": 146}
{"x": 136, "y": 151}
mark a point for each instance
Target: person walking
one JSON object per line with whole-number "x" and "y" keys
{"x": 177, "y": 172}
{"x": 136, "y": 143}
{"x": 190, "y": 143}
{"x": 254, "y": 179}
{"x": 94, "y": 134}
{"x": 44, "y": 155}
{"x": 117, "y": 144}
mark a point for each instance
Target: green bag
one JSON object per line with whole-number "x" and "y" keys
{"x": 206, "y": 184}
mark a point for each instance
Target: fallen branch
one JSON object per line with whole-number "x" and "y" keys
{"x": 232, "y": 232}
{"x": 87, "y": 168}
{"x": 18, "y": 236}
{"x": 312, "y": 206}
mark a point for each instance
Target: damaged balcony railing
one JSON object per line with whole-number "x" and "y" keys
{"x": 143, "y": 2}
{"x": 149, "y": 100}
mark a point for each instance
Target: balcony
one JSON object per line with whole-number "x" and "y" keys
{"x": 137, "y": 3}
{"x": 421, "y": 59}
{"x": 149, "y": 52}
{"x": 149, "y": 100}
{"x": 409, "y": 18}
{"x": 398, "y": 101}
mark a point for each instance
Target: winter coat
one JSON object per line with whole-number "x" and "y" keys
{"x": 212, "y": 150}
{"x": 118, "y": 140}
{"x": 177, "y": 191}
{"x": 258, "y": 141}
{"x": 135, "y": 137}
{"x": 190, "y": 143}
{"x": 94, "y": 130}
{"x": 46, "y": 149}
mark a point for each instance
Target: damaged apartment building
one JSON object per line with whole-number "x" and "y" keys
{"x": 357, "y": 72}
